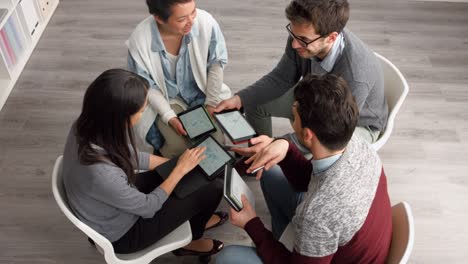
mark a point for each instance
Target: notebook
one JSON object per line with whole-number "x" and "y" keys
{"x": 234, "y": 187}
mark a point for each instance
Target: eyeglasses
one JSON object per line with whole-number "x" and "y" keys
{"x": 303, "y": 43}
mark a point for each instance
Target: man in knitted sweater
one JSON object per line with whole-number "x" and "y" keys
{"x": 318, "y": 43}
{"x": 344, "y": 214}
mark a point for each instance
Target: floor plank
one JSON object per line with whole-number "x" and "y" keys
{"x": 425, "y": 158}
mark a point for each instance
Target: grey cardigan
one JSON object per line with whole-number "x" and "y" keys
{"x": 101, "y": 197}
{"x": 357, "y": 65}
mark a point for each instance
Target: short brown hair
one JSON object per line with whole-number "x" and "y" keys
{"x": 326, "y": 106}
{"x": 326, "y": 16}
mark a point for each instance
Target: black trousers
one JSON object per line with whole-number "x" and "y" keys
{"x": 197, "y": 207}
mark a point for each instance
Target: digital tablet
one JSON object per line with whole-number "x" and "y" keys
{"x": 235, "y": 126}
{"x": 234, "y": 187}
{"x": 193, "y": 181}
{"x": 216, "y": 157}
{"x": 197, "y": 122}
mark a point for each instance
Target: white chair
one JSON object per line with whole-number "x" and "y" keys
{"x": 174, "y": 240}
{"x": 396, "y": 88}
{"x": 402, "y": 234}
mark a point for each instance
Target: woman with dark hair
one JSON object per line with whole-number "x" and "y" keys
{"x": 132, "y": 210}
{"x": 181, "y": 51}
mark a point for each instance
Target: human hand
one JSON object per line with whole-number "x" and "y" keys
{"x": 241, "y": 218}
{"x": 268, "y": 157}
{"x": 189, "y": 159}
{"x": 210, "y": 109}
{"x": 258, "y": 143}
{"x": 177, "y": 126}
{"x": 231, "y": 103}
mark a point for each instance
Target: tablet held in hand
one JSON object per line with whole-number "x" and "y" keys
{"x": 196, "y": 122}
{"x": 235, "y": 126}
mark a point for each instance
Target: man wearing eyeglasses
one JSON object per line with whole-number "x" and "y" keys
{"x": 318, "y": 43}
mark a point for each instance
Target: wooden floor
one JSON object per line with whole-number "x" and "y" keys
{"x": 425, "y": 158}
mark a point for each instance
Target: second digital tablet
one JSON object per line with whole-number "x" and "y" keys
{"x": 216, "y": 157}
{"x": 196, "y": 122}
{"x": 235, "y": 126}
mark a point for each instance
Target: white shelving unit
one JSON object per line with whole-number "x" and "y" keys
{"x": 21, "y": 26}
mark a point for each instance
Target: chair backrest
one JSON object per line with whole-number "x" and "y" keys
{"x": 180, "y": 237}
{"x": 402, "y": 234}
{"x": 396, "y": 89}
{"x": 103, "y": 244}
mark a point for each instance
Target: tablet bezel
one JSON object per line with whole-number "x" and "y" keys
{"x": 207, "y": 115}
{"x": 228, "y": 171}
{"x": 234, "y": 140}
{"x": 217, "y": 172}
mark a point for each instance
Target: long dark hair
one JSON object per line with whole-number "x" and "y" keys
{"x": 104, "y": 121}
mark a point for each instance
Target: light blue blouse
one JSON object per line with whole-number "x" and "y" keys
{"x": 183, "y": 85}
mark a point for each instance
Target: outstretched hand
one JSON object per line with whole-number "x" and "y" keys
{"x": 268, "y": 156}
{"x": 210, "y": 109}
{"x": 228, "y": 104}
{"x": 189, "y": 159}
{"x": 258, "y": 143}
{"x": 177, "y": 126}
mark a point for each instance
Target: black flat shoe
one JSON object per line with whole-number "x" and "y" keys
{"x": 223, "y": 217}
{"x": 217, "y": 246}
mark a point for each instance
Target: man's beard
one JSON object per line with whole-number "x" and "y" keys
{"x": 309, "y": 54}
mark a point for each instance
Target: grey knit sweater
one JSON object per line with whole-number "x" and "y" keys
{"x": 337, "y": 201}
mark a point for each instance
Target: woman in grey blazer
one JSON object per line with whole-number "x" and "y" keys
{"x": 132, "y": 210}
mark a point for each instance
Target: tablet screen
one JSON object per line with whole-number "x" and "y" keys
{"x": 196, "y": 122}
{"x": 235, "y": 125}
{"x": 216, "y": 156}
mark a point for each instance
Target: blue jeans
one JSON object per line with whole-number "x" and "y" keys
{"x": 280, "y": 198}
{"x": 282, "y": 201}
{"x": 238, "y": 255}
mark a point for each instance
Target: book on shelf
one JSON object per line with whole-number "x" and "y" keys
{"x": 14, "y": 37}
{"x": 7, "y": 50}
{"x": 4, "y": 51}
{"x": 12, "y": 42}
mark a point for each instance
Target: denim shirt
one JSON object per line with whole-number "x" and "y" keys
{"x": 322, "y": 165}
{"x": 327, "y": 64}
{"x": 184, "y": 85}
